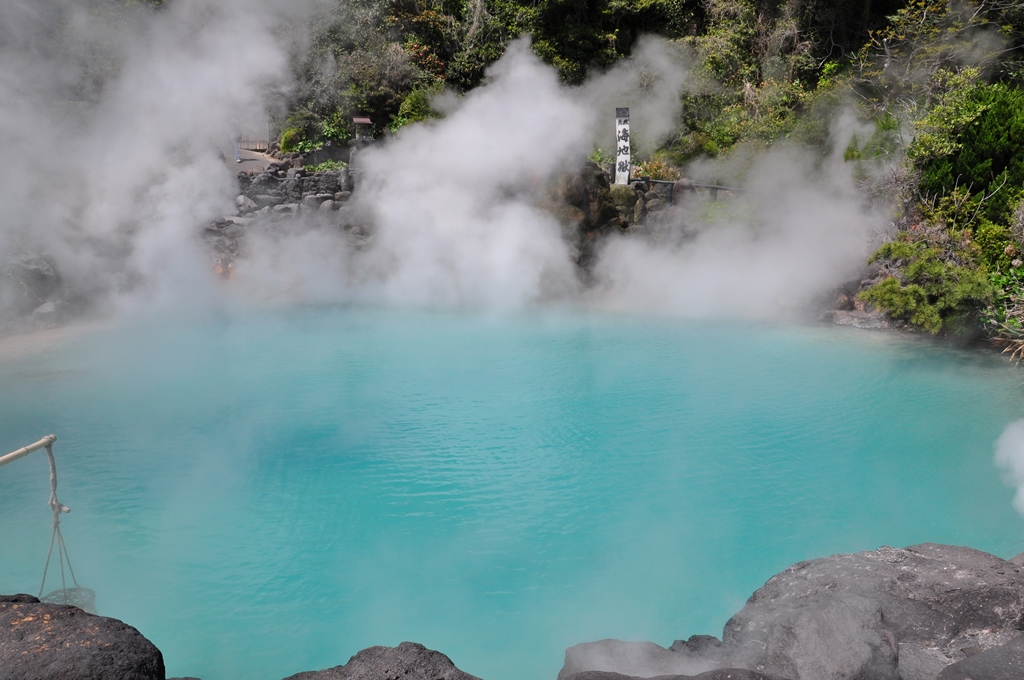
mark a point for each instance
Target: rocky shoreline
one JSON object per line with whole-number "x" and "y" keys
{"x": 926, "y": 612}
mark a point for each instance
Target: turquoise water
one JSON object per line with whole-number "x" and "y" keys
{"x": 262, "y": 493}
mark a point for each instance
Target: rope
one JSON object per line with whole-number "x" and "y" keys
{"x": 56, "y": 538}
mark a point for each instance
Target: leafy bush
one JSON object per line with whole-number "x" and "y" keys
{"x": 327, "y": 166}
{"x": 940, "y": 286}
{"x": 975, "y": 139}
{"x": 290, "y": 139}
{"x": 415, "y": 108}
{"x": 657, "y": 169}
{"x": 883, "y": 141}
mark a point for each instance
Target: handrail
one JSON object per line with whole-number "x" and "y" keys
{"x": 24, "y": 451}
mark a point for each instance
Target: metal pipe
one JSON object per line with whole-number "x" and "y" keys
{"x": 22, "y": 452}
{"x": 716, "y": 187}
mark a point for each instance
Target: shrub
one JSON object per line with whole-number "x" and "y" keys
{"x": 657, "y": 169}
{"x": 327, "y": 166}
{"x": 940, "y": 285}
{"x": 415, "y": 107}
{"x": 290, "y": 139}
{"x": 975, "y": 139}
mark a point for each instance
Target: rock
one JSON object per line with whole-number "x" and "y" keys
{"x": 27, "y": 281}
{"x": 842, "y": 616}
{"x": 623, "y": 195}
{"x": 845, "y": 302}
{"x": 638, "y": 212}
{"x": 266, "y": 200}
{"x": 1005, "y": 662}
{"x": 313, "y": 201}
{"x": 46, "y": 313}
{"x": 327, "y": 206}
{"x": 263, "y": 183}
{"x": 927, "y": 612}
{"x": 857, "y": 319}
{"x": 575, "y": 192}
{"x": 245, "y": 204}
{"x": 407, "y": 661}
{"x": 643, "y": 659}
{"x": 575, "y": 217}
{"x": 721, "y": 674}
{"x": 292, "y": 189}
{"x": 838, "y": 637}
{"x": 920, "y": 663}
{"x": 681, "y": 189}
{"x": 704, "y": 648}
{"x": 342, "y": 196}
{"x": 40, "y": 641}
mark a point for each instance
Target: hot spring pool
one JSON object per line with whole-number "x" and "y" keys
{"x": 262, "y": 493}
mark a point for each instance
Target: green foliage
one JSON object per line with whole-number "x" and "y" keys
{"x": 336, "y": 127}
{"x": 327, "y": 166}
{"x": 940, "y": 286}
{"x": 883, "y": 142}
{"x": 994, "y": 241}
{"x": 975, "y": 139}
{"x": 1006, "y": 316}
{"x": 901, "y": 67}
{"x": 415, "y": 108}
{"x": 290, "y": 139}
{"x": 354, "y": 67}
{"x": 657, "y": 168}
{"x": 601, "y": 157}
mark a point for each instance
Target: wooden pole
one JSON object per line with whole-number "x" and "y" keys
{"x": 22, "y": 452}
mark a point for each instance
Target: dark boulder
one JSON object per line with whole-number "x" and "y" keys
{"x": 263, "y": 183}
{"x": 643, "y": 659}
{"x": 1005, "y": 662}
{"x": 40, "y": 641}
{"x": 846, "y": 615}
{"x": 702, "y": 657}
{"x": 720, "y": 674}
{"x": 29, "y": 292}
{"x": 921, "y": 613}
{"x": 584, "y": 205}
{"x": 407, "y": 661}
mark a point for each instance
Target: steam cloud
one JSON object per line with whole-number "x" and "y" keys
{"x": 113, "y": 170}
{"x": 1010, "y": 457}
{"x": 453, "y": 203}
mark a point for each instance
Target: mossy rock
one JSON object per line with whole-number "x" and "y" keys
{"x": 623, "y": 195}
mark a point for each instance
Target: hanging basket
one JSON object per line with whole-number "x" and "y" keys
{"x": 83, "y": 598}
{"x": 77, "y": 596}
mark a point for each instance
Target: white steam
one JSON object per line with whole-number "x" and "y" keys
{"x": 112, "y": 179}
{"x": 457, "y": 220}
{"x": 455, "y": 207}
{"x": 800, "y": 228}
{"x": 1010, "y": 457}
{"x": 117, "y": 189}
